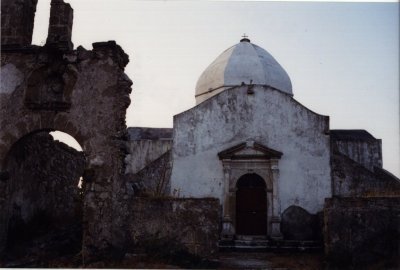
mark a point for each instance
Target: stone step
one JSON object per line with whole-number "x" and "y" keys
{"x": 251, "y": 237}
{"x": 269, "y": 245}
{"x": 251, "y": 243}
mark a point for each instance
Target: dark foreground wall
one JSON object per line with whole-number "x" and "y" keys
{"x": 84, "y": 93}
{"x": 192, "y": 224}
{"x": 43, "y": 178}
{"x": 362, "y": 231}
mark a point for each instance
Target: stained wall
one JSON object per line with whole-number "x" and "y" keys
{"x": 264, "y": 115}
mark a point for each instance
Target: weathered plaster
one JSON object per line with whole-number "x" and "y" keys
{"x": 267, "y": 116}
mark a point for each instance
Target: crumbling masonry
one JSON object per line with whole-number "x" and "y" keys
{"x": 84, "y": 94}
{"x": 79, "y": 92}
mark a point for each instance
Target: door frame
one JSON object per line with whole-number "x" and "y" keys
{"x": 250, "y": 157}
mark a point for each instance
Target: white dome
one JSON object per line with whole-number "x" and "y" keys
{"x": 242, "y": 63}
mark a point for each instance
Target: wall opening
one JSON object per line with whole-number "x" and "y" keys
{"x": 41, "y": 22}
{"x": 71, "y": 142}
{"x": 251, "y": 205}
{"x": 43, "y": 201}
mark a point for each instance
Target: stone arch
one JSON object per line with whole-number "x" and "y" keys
{"x": 244, "y": 158}
{"x": 264, "y": 176}
{"x": 40, "y": 187}
{"x": 252, "y": 177}
{"x": 27, "y": 126}
{"x": 84, "y": 93}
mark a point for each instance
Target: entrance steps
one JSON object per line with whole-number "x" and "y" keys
{"x": 268, "y": 245}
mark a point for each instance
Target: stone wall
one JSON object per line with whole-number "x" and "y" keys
{"x": 60, "y": 25}
{"x": 154, "y": 179}
{"x": 192, "y": 224}
{"x": 43, "y": 181}
{"x": 144, "y": 146}
{"x": 148, "y": 161}
{"x": 358, "y": 145}
{"x": 17, "y": 18}
{"x": 362, "y": 231}
{"x": 84, "y": 93}
{"x": 351, "y": 179}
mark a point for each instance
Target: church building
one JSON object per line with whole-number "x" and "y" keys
{"x": 265, "y": 156}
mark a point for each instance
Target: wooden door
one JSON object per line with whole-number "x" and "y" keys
{"x": 251, "y": 205}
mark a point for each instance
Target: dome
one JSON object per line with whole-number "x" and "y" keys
{"x": 242, "y": 63}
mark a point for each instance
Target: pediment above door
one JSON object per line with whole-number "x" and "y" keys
{"x": 250, "y": 150}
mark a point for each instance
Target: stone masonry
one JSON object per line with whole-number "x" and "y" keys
{"x": 191, "y": 223}
{"x": 60, "y": 26}
{"x": 356, "y": 161}
{"x": 359, "y": 232}
{"x": 45, "y": 176}
{"x": 84, "y": 93}
{"x": 17, "y": 18}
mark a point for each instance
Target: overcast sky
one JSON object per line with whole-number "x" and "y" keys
{"x": 342, "y": 58}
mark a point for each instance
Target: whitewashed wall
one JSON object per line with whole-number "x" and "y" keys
{"x": 269, "y": 117}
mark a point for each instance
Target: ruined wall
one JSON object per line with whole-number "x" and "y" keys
{"x": 192, "y": 224}
{"x": 362, "y": 231}
{"x": 154, "y": 179}
{"x": 60, "y": 26}
{"x": 145, "y": 145}
{"x": 85, "y": 94}
{"x": 351, "y": 179}
{"x": 17, "y": 18}
{"x": 148, "y": 161}
{"x": 358, "y": 145}
{"x": 43, "y": 181}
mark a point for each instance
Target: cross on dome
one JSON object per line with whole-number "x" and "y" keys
{"x": 245, "y": 38}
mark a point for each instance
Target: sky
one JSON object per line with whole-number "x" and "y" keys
{"x": 342, "y": 58}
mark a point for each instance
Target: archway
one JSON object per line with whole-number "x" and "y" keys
{"x": 251, "y": 205}
{"x": 43, "y": 201}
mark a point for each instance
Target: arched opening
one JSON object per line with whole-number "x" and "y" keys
{"x": 71, "y": 142}
{"x": 251, "y": 205}
{"x": 43, "y": 208}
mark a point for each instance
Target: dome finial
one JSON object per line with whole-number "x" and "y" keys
{"x": 245, "y": 38}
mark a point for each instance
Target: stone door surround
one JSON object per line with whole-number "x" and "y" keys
{"x": 241, "y": 159}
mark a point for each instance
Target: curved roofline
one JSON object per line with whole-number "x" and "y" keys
{"x": 236, "y": 64}
{"x": 264, "y": 88}
{"x": 243, "y": 84}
